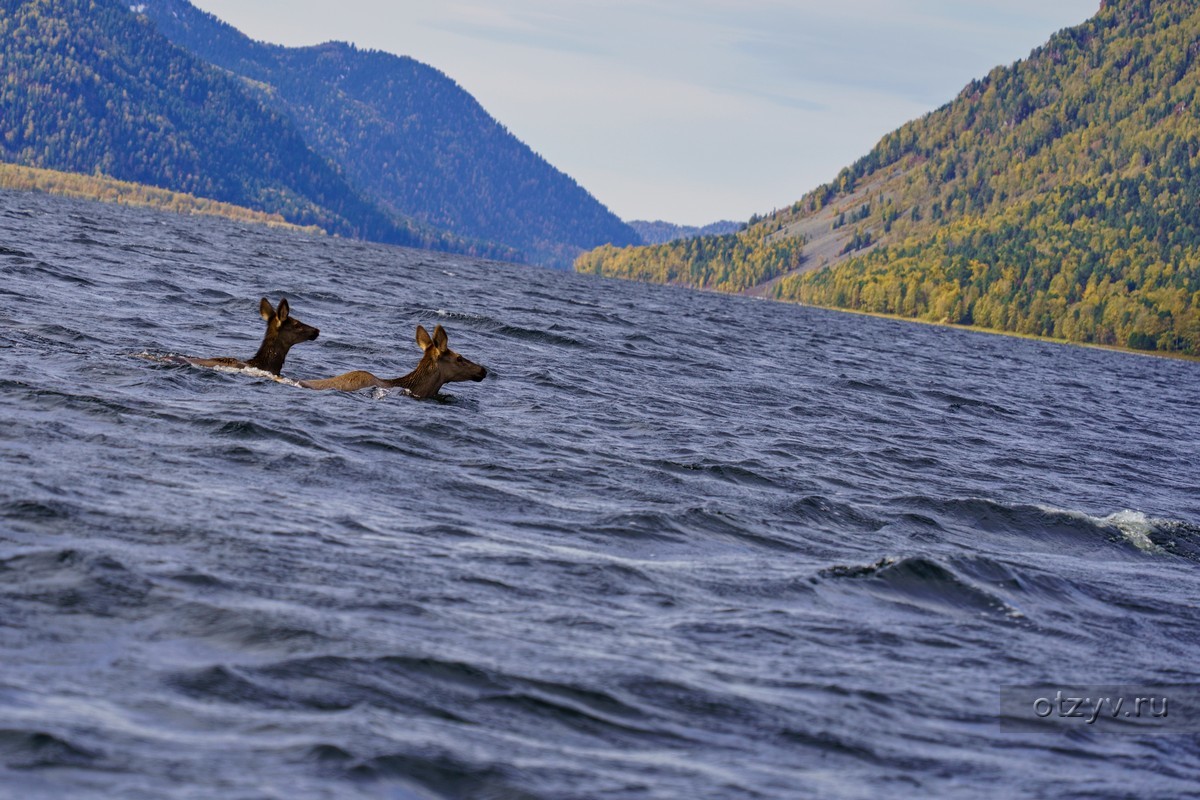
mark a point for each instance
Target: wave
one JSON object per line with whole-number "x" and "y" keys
{"x": 490, "y": 324}
{"x": 444, "y": 774}
{"x": 1146, "y": 533}
{"x": 828, "y": 513}
{"x": 242, "y": 630}
{"x": 28, "y": 749}
{"x": 436, "y": 690}
{"x": 957, "y": 402}
{"x": 1053, "y": 527}
{"x": 924, "y": 582}
{"x": 749, "y": 474}
{"x": 76, "y": 581}
{"x": 44, "y": 510}
{"x": 871, "y": 386}
{"x": 692, "y": 525}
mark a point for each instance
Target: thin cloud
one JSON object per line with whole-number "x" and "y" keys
{"x": 540, "y": 31}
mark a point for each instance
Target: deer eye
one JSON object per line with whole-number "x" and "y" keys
{"x": 459, "y": 359}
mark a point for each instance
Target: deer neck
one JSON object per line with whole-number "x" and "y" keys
{"x": 424, "y": 381}
{"x": 270, "y": 356}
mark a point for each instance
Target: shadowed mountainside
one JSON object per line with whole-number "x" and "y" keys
{"x": 409, "y": 136}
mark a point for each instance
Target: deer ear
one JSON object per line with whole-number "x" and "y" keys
{"x": 439, "y": 338}
{"x": 283, "y": 310}
{"x": 264, "y": 308}
{"x": 423, "y": 340}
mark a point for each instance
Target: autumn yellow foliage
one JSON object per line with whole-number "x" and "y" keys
{"x": 110, "y": 190}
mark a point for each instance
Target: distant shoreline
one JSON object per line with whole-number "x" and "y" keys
{"x": 104, "y": 189}
{"x": 996, "y": 332}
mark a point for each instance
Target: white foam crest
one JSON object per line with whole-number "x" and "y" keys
{"x": 382, "y": 393}
{"x": 255, "y": 372}
{"x": 252, "y": 371}
{"x": 1134, "y": 526}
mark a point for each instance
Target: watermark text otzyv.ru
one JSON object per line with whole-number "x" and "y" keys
{"x": 1135, "y": 709}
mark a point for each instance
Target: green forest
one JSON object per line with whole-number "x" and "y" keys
{"x": 1054, "y": 197}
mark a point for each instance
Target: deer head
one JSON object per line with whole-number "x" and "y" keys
{"x": 439, "y": 365}
{"x": 283, "y": 331}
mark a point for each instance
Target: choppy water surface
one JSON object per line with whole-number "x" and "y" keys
{"x": 677, "y": 545}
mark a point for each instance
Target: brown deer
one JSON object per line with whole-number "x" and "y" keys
{"x": 283, "y": 331}
{"x": 439, "y": 365}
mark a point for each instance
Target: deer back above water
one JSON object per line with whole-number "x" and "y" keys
{"x": 439, "y": 365}
{"x": 283, "y": 331}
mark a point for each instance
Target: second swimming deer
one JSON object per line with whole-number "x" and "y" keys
{"x": 439, "y": 365}
{"x": 283, "y": 331}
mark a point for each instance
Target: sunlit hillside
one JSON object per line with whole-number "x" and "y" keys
{"x": 1054, "y": 197}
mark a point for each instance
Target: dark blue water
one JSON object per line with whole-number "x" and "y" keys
{"x": 677, "y": 545}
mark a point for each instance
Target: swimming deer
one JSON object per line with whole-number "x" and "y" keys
{"x": 283, "y": 331}
{"x": 439, "y": 365}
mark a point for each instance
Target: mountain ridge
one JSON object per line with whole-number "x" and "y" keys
{"x": 408, "y": 135}
{"x": 660, "y": 232}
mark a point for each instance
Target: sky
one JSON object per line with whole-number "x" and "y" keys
{"x": 689, "y": 111}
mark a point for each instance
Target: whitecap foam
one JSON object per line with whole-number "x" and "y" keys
{"x": 252, "y": 371}
{"x": 161, "y": 358}
{"x": 1135, "y": 527}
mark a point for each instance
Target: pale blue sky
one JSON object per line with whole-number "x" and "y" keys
{"x": 688, "y": 110}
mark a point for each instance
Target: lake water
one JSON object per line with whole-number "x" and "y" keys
{"x": 676, "y": 545}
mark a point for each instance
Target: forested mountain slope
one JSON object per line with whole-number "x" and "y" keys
{"x": 1059, "y": 196}
{"x": 91, "y": 88}
{"x": 408, "y": 135}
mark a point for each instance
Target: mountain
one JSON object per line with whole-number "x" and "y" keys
{"x": 659, "y": 232}
{"x": 406, "y": 134}
{"x": 92, "y": 88}
{"x": 1054, "y": 197}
